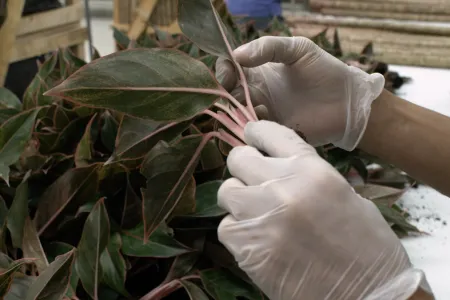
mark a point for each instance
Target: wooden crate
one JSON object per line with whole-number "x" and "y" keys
{"x": 423, "y": 45}
{"x": 134, "y": 16}
{"x": 40, "y": 33}
{"x": 415, "y": 10}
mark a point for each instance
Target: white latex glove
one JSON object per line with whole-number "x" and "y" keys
{"x": 299, "y": 230}
{"x": 305, "y": 88}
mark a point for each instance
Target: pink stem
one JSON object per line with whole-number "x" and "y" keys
{"x": 227, "y": 138}
{"x": 248, "y": 100}
{"x": 239, "y": 115}
{"x": 232, "y": 114}
{"x": 241, "y": 107}
{"x": 227, "y": 122}
{"x": 166, "y": 289}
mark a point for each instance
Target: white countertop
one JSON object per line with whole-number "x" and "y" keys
{"x": 429, "y": 209}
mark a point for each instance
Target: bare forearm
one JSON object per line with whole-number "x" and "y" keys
{"x": 411, "y": 137}
{"x": 421, "y": 295}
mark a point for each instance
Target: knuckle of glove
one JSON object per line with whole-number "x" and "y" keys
{"x": 238, "y": 157}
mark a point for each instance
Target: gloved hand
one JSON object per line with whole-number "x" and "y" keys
{"x": 299, "y": 230}
{"x": 305, "y": 88}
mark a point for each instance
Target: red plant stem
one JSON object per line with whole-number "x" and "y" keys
{"x": 250, "y": 110}
{"x": 167, "y": 288}
{"x": 228, "y": 138}
{"x": 248, "y": 100}
{"x": 232, "y": 114}
{"x": 239, "y": 115}
{"x": 241, "y": 107}
{"x": 227, "y": 122}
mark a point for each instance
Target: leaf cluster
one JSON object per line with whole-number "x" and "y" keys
{"x": 110, "y": 170}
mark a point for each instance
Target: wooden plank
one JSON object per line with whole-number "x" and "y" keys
{"x": 390, "y": 25}
{"x": 8, "y": 35}
{"x": 174, "y": 28}
{"x": 389, "y": 47}
{"x": 416, "y": 8}
{"x": 121, "y": 13}
{"x": 143, "y": 12}
{"x": 38, "y": 44}
{"x": 53, "y": 18}
{"x": 386, "y": 15}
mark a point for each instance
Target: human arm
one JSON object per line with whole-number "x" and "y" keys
{"x": 413, "y": 138}
{"x": 420, "y": 294}
{"x": 307, "y": 89}
{"x": 299, "y": 230}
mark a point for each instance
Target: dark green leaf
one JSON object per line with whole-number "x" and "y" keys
{"x": 14, "y": 135}
{"x": 33, "y": 96}
{"x": 211, "y": 157}
{"x": 206, "y": 200}
{"x": 5, "y": 260}
{"x": 8, "y": 100}
{"x": 93, "y": 241}
{"x": 224, "y": 286}
{"x": 137, "y": 136}
{"x": 7, "y": 275}
{"x": 72, "y": 189}
{"x": 52, "y": 284}
{"x": 337, "y": 44}
{"x": 74, "y": 61}
{"x": 121, "y": 38}
{"x": 160, "y": 244}
{"x": 56, "y": 249}
{"x": 182, "y": 265}
{"x": 209, "y": 60}
{"x": 395, "y": 218}
{"x": 194, "y": 292}
{"x": 368, "y": 50}
{"x": 66, "y": 140}
{"x": 6, "y": 114}
{"x": 83, "y": 152}
{"x": 31, "y": 246}
{"x": 113, "y": 265}
{"x": 360, "y": 167}
{"x": 19, "y": 287}
{"x": 156, "y": 84}
{"x": 186, "y": 203}
{"x": 3, "y": 229}
{"x": 132, "y": 207}
{"x": 18, "y": 213}
{"x": 108, "y": 131}
{"x": 168, "y": 170}
{"x": 200, "y": 22}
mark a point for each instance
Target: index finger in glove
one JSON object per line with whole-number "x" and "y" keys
{"x": 226, "y": 73}
{"x": 286, "y": 50}
{"x": 245, "y": 202}
{"x": 276, "y": 140}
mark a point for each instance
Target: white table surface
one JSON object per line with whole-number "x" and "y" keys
{"x": 429, "y": 209}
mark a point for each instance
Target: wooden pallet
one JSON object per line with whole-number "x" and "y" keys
{"x": 40, "y": 33}
{"x": 134, "y": 16}
{"x": 394, "y": 43}
{"x": 416, "y": 10}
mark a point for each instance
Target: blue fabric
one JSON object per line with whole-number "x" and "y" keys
{"x": 254, "y": 8}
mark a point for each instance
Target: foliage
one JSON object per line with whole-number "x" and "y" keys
{"x": 110, "y": 179}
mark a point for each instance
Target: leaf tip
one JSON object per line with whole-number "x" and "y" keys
{"x": 55, "y": 91}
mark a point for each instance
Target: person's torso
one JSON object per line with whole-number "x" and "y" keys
{"x": 254, "y": 8}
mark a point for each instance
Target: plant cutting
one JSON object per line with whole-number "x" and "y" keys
{"x": 110, "y": 172}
